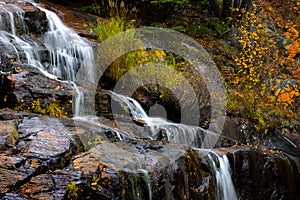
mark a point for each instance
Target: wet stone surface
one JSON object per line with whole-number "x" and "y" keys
{"x": 43, "y": 157}
{"x": 47, "y": 159}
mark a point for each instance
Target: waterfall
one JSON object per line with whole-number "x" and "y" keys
{"x": 69, "y": 54}
{"x": 185, "y": 135}
{"x": 160, "y": 128}
{"x": 66, "y": 52}
{"x": 224, "y": 186}
{"x": 134, "y": 108}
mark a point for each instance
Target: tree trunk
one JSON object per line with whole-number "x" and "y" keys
{"x": 227, "y": 6}
{"x": 214, "y": 7}
{"x": 246, "y": 4}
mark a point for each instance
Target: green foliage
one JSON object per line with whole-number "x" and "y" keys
{"x": 104, "y": 30}
{"x": 51, "y": 109}
{"x": 217, "y": 25}
{"x": 94, "y": 180}
{"x": 93, "y": 9}
{"x": 72, "y": 190}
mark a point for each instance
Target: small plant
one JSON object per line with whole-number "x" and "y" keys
{"x": 95, "y": 180}
{"x": 72, "y": 190}
{"x": 217, "y": 25}
{"x": 53, "y": 109}
{"x": 37, "y": 106}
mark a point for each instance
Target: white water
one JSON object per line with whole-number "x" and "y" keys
{"x": 67, "y": 51}
{"x": 186, "y": 135}
{"x": 225, "y": 189}
{"x": 8, "y": 14}
{"x": 134, "y": 108}
{"x": 147, "y": 180}
{"x": 67, "y": 54}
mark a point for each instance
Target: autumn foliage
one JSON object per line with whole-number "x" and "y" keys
{"x": 265, "y": 83}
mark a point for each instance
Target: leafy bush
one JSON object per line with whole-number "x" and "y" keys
{"x": 261, "y": 90}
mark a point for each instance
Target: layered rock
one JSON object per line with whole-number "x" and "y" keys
{"x": 21, "y": 86}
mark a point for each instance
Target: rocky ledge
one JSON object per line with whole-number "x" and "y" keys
{"x": 45, "y": 157}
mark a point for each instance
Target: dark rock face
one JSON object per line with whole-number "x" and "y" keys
{"x": 25, "y": 84}
{"x": 261, "y": 174}
{"x": 8, "y": 134}
{"x": 35, "y": 146}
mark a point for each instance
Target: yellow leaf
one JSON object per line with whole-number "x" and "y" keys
{"x": 277, "y": 92}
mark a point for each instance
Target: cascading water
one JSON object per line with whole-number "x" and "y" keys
{"x": 224, "y": 186}
{"x": 134, "y": 108}
{"x": 186, "y": 135}
{"x": 11, "y": 16}
{"x": 160, "y": 128}
{"x": 67, "y": 53}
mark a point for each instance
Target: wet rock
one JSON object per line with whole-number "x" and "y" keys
{"x": 8, "y": 134}
{"x": 12, "y": 196}
{"x": 44, "y": 166}
{"x": 47, "y": 139}
{"x": 76, "y": 20}
{"x": 166, "y": 172}
{"x": 10, "y": 162}
{"x": 27, "y": 84}
{"x": 262, "y": 174}
{"x": 10, "y": 179}
{"x": 35, "y": 20}
{"x": 43, "y": 144}
{"x": 38, "y": 187}
{"x": 6, "y": 65}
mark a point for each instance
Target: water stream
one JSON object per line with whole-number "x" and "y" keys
{"x": 67, "y": 54}
{"x": 225, "y": 188}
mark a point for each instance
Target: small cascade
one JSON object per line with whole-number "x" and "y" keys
{"x": 59, "y": 53}
{"x": 160, "y": 128}
{"x": 141, "y": 185}
{"x": 24, "y": 52}
{"x": 70, "y": 58}
{"x": 68, "y": 51}
{"x": 12, "y": 19}
{"x": 177, "y": 133}
{"x": 224, "y": 186}
{"x": 147, "y": 181}
{"x": 134, "y": 108}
